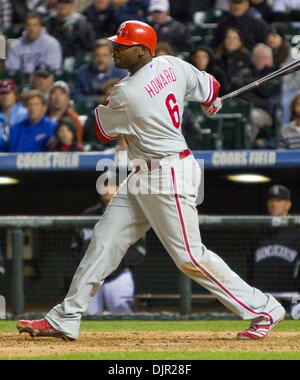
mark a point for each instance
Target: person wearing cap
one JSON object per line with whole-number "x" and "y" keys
{"x": 66, "y": 139}
{"x": 279, "y": 201}
{"x": 34, "y": 47}
{"x": 71, "y": 29}
{"x": 59, "y": 106}
{"x": 286, "y": 10}
{"x": 132, "y": 10}
{"x": 290, "y": 133}
{"x": 284, "y": 54}
{"x": 34, "y": 133}
{"x": 12, "y": 111}
{"x": 252, "y": 29}
{"x": 90, "y": 79}
{"x": 275, "y": 260}
{"x": 41, "y": 79}
{"x": 101, "y": 15}
{"x": 167, "y": 28}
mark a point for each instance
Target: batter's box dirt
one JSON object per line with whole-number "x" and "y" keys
{"x": 13, "y": 344}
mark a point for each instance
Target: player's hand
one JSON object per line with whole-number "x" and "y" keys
{"x": 213, "y": 108}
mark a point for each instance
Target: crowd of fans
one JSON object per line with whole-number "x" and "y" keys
{"x": 59, "y": 65}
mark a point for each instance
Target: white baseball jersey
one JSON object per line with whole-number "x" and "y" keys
{"x": 147, "y": 107}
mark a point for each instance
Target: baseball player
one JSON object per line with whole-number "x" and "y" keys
{"x": 147, "y": 107}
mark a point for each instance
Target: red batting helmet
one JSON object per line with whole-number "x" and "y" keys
{"x": 136, "y": 33}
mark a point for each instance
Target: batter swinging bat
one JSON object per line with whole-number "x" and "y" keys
{"x": 289, "y": 69}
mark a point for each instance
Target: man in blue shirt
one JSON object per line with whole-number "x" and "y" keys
{"x": 90, "y": 79}
{"x": 11, "y": 111}
{"x": 34, "y": 133}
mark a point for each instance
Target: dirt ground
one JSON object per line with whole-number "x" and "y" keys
{"x": 13, "y": 344}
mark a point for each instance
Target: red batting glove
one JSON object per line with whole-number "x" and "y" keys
{"x": 213, "y": 108}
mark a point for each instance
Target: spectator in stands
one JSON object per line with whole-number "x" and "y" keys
{"x": 132, "y": 10}
{"x": 232, "y": 55}
{"x": 168, "y": 29}
{"x": 286, "y": 10}
{"x": 34, "y": 47}
{"x": 117, "y": 292}
{"x": 261, "y": 9}
{"x": 264, "y": 98}
{"x": 258, "y": 8}
{"x": 290, "y": 133}
{"x": 203, "y": 58}
{"x": 89, "y": 131}
{"x": 283, "y": 55}
{"x": 66, "y": 139}
{"x": 253, "y": 30}
{"x": 41, "y": 79}
{"x": 11, "y": 110}
{"x": 5, "y": 15}
{"x": 34, "y": 133}
{"x": 21, "y": 7}
{"x": 59, "y": 106}
{"x": 163, "y": 48}
{"x": 276, "y": 251}
{"x": 182, "y": 10}
{"x": 72, "y": 29}
{"x": 218, "y": 4}
{"x": 101, "y": 15}
{"x": 91, "y": 78}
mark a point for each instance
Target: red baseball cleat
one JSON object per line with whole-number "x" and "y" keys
{"x": 40, "y": 328}
{"x": 256, "y": 331}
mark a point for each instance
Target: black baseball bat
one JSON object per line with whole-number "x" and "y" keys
{"x": 288, "y": 69}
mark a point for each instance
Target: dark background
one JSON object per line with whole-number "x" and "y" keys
{"x": 70, "y": 193}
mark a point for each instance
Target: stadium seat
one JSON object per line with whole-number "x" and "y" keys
{"x": 226, "y": 130}
{"x": 204, "y": 24}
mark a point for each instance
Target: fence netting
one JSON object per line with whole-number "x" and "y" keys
{"x": 266, "y": 257}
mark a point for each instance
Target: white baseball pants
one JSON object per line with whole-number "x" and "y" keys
{"x": 171, "y": 211}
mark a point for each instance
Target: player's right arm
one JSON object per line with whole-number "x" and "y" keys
{"x": 112, "y": 119}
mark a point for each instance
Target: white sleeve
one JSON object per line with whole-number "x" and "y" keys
{"x": 201, "y": 86}
{"x": 112, "y": 119}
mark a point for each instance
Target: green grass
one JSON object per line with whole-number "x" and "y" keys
{"x": 172, "y": 355}
{"x": 291, "y": 325}
{"x": 96, "y": 326}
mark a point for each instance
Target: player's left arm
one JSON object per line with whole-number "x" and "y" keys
{"x": 204, "y": 88}
{"x": 112, "y": 119}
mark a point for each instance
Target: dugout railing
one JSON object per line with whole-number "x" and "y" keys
{"x": 183, "y": 294}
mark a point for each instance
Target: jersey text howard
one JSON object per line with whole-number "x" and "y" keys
{"x": 159, "y": 82}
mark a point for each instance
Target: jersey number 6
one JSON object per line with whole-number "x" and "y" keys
{"x": 173, "y": 109}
